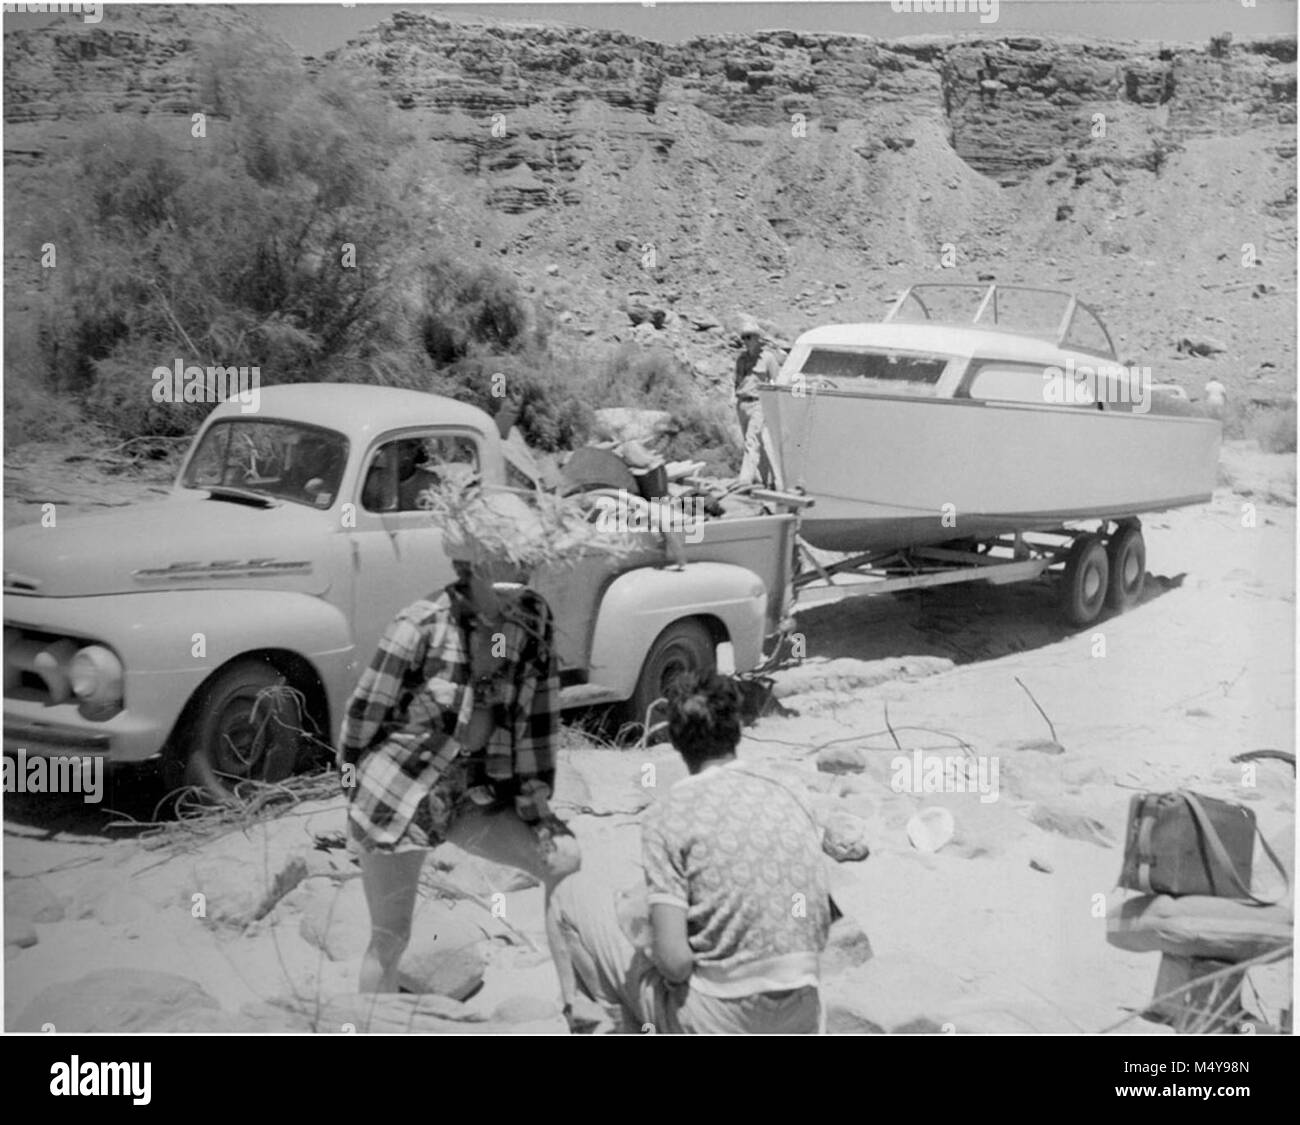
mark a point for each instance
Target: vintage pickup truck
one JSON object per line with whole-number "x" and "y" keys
{"x": 289, "y": 539}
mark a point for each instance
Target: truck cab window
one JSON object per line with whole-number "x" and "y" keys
{"x": 402, "y": 470}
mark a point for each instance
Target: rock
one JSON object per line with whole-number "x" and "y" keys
{"x": 453, "y": 867}
{"x": 841, "y": 759}
{"x": 641, "y": 308}
{"x": 19, "y": 931}
{"x": 844, "y": 837}
{"x": 1041, "y": 865}
{"x": 446, "y": 954}
{"x": 526, "y": 1009}
{"x": 1071, "y": 824}
{"x": 1041, "y": 746}
{"x": 847, "y": 947}
{"x": 891, "y": 993}
{"x": 1201, "y": 345}
{"x": 118, "y": 1001}
{"x": 239, "y": 891}
{"x": 552, "y": 270}
{"x": 30, "y": 898}
{"x": 622, "y": 245}
{"x": 456, "y": 972}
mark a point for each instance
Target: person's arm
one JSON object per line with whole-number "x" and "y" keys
{"x": 670, "y": 948}
{"x": 378, "y": 689}
{"x": 667, "y": 892}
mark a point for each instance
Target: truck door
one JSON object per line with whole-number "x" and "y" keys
{"x": 397, "y": 552}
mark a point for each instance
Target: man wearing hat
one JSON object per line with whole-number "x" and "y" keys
{"x": 451, "y": 735}
{"x": 755, "y": 365}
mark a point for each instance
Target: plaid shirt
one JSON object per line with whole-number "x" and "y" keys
{"x": 413, "y": 703}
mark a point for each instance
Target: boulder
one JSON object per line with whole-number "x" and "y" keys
{"x": 844, "y": 837}
{"x": 847, "y": 947}
{"x": 1069, "y": 823}
{"x": 447, "y": 950}
{"x": 19, "y": 931}
{"x": 841, "y": 759}
{"x": 526, "y": 1009}
{"x": 1201, "y": 345}
{"x": 454, "y": 971}
{"x": 30, "y": 898}
{"x": 892, "y": 993}
{"x": 118, "y": 1001}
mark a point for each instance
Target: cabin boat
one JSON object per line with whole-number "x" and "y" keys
{"x": 972, "y": 412}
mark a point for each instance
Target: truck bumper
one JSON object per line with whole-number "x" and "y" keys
{"x": 44, "y": 730}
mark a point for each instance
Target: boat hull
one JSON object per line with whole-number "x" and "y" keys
{"x": 893, "y": 472}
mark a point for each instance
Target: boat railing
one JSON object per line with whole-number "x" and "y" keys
{"x": 1070, "y": 329}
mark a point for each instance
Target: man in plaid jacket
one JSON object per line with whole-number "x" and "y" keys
{"x": 450, "y": 735}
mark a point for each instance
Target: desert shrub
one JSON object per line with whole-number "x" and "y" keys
{"x": 470, "y": 307}
{"x": 1274, "y": 428}
{"x": 275, "y": 242}
{"x": 553, "y": 413}
{"x": 653, "y": 378}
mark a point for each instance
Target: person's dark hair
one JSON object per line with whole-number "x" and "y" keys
{"x": 703, "y": 715}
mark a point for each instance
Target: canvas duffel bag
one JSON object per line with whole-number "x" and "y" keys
{"x": 1183, "y": 843}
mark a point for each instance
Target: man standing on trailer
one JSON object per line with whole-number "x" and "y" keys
{"x": 755, "y": 365}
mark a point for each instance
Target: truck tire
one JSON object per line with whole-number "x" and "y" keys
{"x": 236, "y": 733}
{"x": 1127, "y": 554}
{"x": 685, "y": 646}
{"x": 1086, "y": 578}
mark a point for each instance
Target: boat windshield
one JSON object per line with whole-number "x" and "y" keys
{"x": 1049, "y": 314}
{"x": 277, "y": 460}
{"x": 886, "y": 370}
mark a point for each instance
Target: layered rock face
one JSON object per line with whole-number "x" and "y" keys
{"x": 136, "y": 60}
{"x": 796, "y": 176}
{"x": 467, "y": 77}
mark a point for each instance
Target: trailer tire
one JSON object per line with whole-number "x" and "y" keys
{"x": 684, "y": 646}
{"x": 1127, "y": 554}
{"x": 1085, "y": 581}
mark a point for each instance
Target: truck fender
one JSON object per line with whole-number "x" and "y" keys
{"x": 166, "y": 658}
{"x": 641, "y": 604}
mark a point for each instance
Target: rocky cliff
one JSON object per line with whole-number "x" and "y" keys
{"x": 799, "y": 176}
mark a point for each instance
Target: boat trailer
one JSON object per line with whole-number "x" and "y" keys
{"x": 1101, "y": 567}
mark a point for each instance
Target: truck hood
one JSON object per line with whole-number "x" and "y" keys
{"x": 179, "y": 543}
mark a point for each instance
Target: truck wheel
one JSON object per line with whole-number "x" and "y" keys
{"x": 1083, "y": 586}
{"x": 685, "y": 646}
{"x": 242, "y": 730}
{"x": 1127, "y": 554}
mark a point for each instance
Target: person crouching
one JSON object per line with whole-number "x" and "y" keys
{"x": 735, "y": 882}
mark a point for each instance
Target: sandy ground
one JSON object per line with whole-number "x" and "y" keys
{"x": 1000, "y": 930}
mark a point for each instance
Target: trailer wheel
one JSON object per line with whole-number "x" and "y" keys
{"x": 685, "y": 646}
{"x": 244, "y": 726}
{"x": 1084, "y": 584}
{"x": 1127, "y": 554}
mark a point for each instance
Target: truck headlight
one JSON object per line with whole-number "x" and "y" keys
{"x": 96, "y": 675}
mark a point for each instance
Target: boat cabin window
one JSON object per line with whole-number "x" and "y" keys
{"x": 1026, "y": 382}
{"x": 883, "y": 370}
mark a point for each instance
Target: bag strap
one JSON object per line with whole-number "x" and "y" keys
{"x": 1221, "y": 854}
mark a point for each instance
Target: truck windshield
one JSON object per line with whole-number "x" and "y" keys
{"x": 279, "y": 460}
